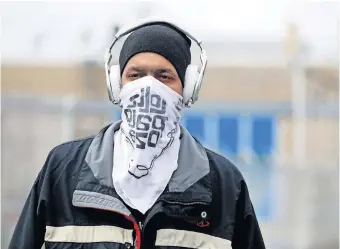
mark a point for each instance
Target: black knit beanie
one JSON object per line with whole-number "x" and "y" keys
{"x": 161, "y": 39}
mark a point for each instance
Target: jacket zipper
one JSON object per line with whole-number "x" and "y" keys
{"x": 136, "y": 226}
{"x": 138, "y": 229}
{"x": 140, "y": 225}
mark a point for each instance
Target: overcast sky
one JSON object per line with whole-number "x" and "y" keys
{"x": 58, "y": 25}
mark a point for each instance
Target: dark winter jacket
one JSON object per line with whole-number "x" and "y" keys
{"x": 73, "y": 203}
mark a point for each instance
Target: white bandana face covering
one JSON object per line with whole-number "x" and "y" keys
{"x": 147, "y": 145}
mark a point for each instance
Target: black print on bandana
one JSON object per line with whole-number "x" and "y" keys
{"x": 147, "y": 126}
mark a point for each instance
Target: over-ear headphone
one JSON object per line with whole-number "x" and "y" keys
{"x": 193, "y": 75}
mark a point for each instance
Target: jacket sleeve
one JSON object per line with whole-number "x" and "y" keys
{"x": 247, "y": 233}
{"x": 29, "y": 232}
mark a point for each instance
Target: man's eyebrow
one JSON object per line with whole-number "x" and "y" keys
{"x": 137, "y": 69}
{"x": 164, "y": 70}
{"x": 143, "y": 70}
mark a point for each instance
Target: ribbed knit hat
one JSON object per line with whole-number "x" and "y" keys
{"x": 161, "y": 39}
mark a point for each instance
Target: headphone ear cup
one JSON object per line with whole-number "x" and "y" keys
{"x": 191, "y": 76}
{"x": 115, "y": 79}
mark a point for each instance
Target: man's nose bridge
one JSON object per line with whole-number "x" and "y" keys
{"x": 150, "y": 73}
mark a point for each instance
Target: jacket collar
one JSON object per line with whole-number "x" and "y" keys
{"x": 190, "y": 183}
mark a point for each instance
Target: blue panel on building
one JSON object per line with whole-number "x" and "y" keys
{"x": 262, "y": 178}
{"x": 263, "y": 135}
{"x": 261, "y": 184}
{"x": 228, "y": 135}
{"x": 195, "y": 125}
{"x": 118, "y": 115}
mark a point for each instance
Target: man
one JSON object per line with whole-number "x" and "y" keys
{"x": 142, "y": 182}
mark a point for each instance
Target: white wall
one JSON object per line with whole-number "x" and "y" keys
{"x": 43, "y": 32}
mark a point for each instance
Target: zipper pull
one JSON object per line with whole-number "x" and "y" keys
{"x": 128, "y": 245}
{"x": 141, "y": 225}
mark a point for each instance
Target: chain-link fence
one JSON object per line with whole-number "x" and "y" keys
{"x": 298, "y": 206}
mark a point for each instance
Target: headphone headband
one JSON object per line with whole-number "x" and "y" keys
{"x": 155, "y": 20}
{"x": 148, "y": 21}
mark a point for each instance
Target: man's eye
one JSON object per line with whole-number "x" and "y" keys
{"x": 133, "y": 75}
{"x": 165, "y": 77}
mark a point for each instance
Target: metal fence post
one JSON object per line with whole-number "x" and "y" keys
{"x": 68, "y": 124}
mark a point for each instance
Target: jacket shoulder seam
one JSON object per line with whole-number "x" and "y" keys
{"x": 54, "y": 150}
{"x": 74, "y": 141}
{"x": 226, "y": 160}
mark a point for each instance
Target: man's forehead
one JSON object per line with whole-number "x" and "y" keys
{"x": 149, "y": 61}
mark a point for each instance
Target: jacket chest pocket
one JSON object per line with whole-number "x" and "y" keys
{"x": 88, "y": 237}
{"x": 172, "y": 238}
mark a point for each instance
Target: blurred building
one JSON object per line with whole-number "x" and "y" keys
{"x": 254, "y": 77}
